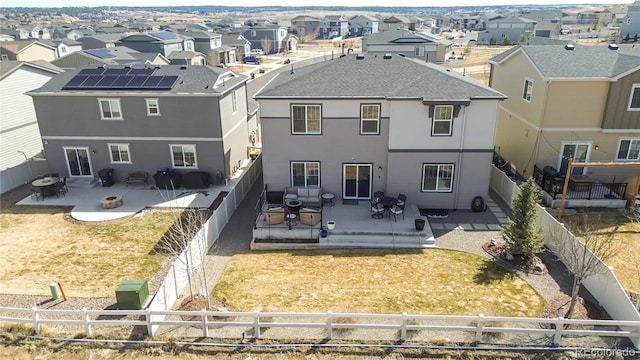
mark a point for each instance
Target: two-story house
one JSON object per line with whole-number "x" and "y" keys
{"x": 241, "y": 46}
{"x": 99, "y": 41}
{"x": 334, "y": 26}
{"x": 305, "y": 26}
{"x": 513, "y": 29}
{"x": 362, "y": 25}
{"x": 363, "y": 123}
{"x": 269, "y": 38}
{"x": 423, "y": 46}
{"x": 182, "y": 118}
{"x": 569, "y": 102}
{"x": 210, "y": 44}
{"x": 163, "y": 42}
{"x": 64, "y": 46}
{"x": 630, "y": 24}
{"x": 26, "y": 50}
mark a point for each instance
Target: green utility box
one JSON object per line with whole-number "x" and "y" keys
{"x": 132, "y": 294}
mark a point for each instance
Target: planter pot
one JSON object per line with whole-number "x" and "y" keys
{"x": 420, "y": 224}
{"x": 324, "y": 233}
{"x": 331, "y": 225}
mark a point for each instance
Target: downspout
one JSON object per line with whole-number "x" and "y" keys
{"x": 461, "y": 148}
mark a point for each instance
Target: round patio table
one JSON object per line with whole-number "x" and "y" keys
{"x": 294, "y": 205}
{"x": 387, "y": 202}
{"x": 46, "y": 181}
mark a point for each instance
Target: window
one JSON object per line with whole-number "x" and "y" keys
{"x": 5, "y": 57}
{"x": 234, "y": 101}
{"x": 442, "y": 120}
{"x": 119, "y": 153}
{"x": 183, "y": 156}
{"x": 153, "y": 107}
{"x": 634, "y": 99}
{"x": 253, "y": 33}
{"x": 369, "y": 119}
{"x": 437, "y": 177}
{"x": 110, "y": 109}
{"x": 305, "y": 174}
{"x": 528, "y": 90}
{"x": 629, "y": 149}
{"x": 419, "y": 51}
{"x": 305, "y": 119}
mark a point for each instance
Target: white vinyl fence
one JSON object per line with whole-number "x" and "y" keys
{"x": 604, "y": 287}
{"x": 11, "y": 178}
{"x": 185, "y": 265}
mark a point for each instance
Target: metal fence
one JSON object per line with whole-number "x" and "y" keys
{"x": 584, "y": 190}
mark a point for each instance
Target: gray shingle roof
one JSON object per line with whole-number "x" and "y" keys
{"x": 200, "y": 79}
{"x": 397, "y": 35}
{"x": 376, "y": 77}
{"x": 554, "y": 61}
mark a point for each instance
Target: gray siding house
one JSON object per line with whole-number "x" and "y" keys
{"x": 195, "y": 118}
{"x": 432, "y": 48}
{"x": 363, "y": 123}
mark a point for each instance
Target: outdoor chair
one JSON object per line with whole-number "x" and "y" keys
{"x": 59, "y": 189}
{"x": 36, "y": 193}
{"x": 401, "y": 199}
{"x": 64, "y": 184}
{"x": 397, "y": 210}
{"x": 377, "y": 195}
{"x": 377, "y": 210}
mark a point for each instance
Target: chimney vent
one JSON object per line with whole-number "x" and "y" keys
{"x": 569, "y": 47}
{"x": 387, "y": 56}
{"x": 401, "y": 54}
{"x": 360, "y": 57}
{"x": 613, "y": 47}
{"x": 183, "y": 68}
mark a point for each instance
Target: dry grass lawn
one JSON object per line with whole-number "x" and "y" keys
{"x": 626, "y": 264}
{"x": 433, "y": 281}
{"x": 43, "y": 244}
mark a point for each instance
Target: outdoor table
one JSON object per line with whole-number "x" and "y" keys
{"x": 47, "y": 185}
{"x": 293, "y": 205}
{"x": 387, "y": 202}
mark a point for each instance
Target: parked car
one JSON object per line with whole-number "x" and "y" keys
{"x": 251, "y": 60}
{"x": 257, "y": 52}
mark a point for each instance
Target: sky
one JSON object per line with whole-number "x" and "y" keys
{"x": 420, "y": 3}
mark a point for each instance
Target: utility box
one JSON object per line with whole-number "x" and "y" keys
{"x": 132, "y": 294}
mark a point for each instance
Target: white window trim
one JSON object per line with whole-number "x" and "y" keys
{"x": 450, "y": 121}
{"x": 362, "y": 120}
{"x": 195, "y": 156}
{"x": 100, "y": 100}
{"x": 305, "y": 171}
{"x": 633, "y": 89}
{"x": 632, "y": 139}
{"x": 157, "y": 106}
{"x": 419, "y": 51}
{"x": 109, "y": 145}
{"x": 234, "y": 101}
{"x": 524, "y": 90}
{"x": 453, "y": 169}
{"x": 306, "y": 120}
{"x": 589, "y": 149}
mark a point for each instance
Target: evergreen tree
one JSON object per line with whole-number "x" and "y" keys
{"x": 521, "y": 234}
{"x": 493, "y": 40}
{"x": 506, "y": 41}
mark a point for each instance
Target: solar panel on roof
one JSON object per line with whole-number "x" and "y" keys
{"x": 91, "y": 81}
{"x": 137, "y": 81}
{"x": 167, "y": 82}
{"x": 141, "y": 71}
{"x": 151, "y": 82}
{"x": 122, "y": 81}
{"x": 75, "y": 81}
{"x": 101, "y": 53}
{"x": 164, "y": 35}
{"x": 96, "y": 71}
{"x": 116, "y": 72}
{"x": 106, "y": 81}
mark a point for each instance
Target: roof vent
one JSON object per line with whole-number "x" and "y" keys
{"x": 343, "y": 55}
{"x": 387, "y": 56}
{"x": 613, "y": 47}
{"x": 360, "y": 57}
{"x": 183, "y": 68}
{"x": 401, "y": 54}
{"x": 569, "y": 47}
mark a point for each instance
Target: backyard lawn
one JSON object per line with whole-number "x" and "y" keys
{"x": 433, "y": 281}
{"x": 42, "y": 244}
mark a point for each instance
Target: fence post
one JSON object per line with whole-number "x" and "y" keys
{"x": 479, "y": 327}
{"x": 329, "y": 325}
{"x": 85, "y": 320}
{"x": 557, "y": 336}
{"x": 256, "y": 324}
{"x": 403, "y": 327}
{"x": 149, "y": 325}
{"x": 205, "y": 323}
{"x": 36, "y": 318}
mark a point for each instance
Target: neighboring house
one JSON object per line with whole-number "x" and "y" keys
{"x": 37, "y": 32}
{"x": 362, "y": 25}
{"x": 305, "y": 26}
{"x": 163, "y": 42}
{"x": 79, "y": 33}
{"x": 187, "y": 58}
{"x": 17, "y": 34}
{"x": 569, "y": 101}
{"x": 408, "y": 126}
{"x": 397, "y": 22}
{"x": 109, "y": 28}
{"x": 19, "y": 134}
{"x": 269, "y": 38}
{"x": 630, "y": 24}
{"x": 210, "y": 45}
{"x": 513, "y": 28}
{"x": 290, "y": 44}
{"x": 26, "y": 50}
{"x": 181, "y": 118}
{"x": 472, "y": 21}
{"x": 547, "y": 29}
{"x": 238, "y": 42}
{"x": 64, "y": 46}
{"x": 120, "y": 55}
{"x": 334, "y": 26}
{"x": 99, "y": 41}
{"x": 427, "y": 47}
{"x": 6, "y": 37}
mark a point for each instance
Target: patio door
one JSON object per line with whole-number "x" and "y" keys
{"x": 357, "y": 181}
{"x": 78, "y": 161}
{"x": 579, "y": 152}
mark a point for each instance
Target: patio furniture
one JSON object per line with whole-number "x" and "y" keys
{"x": 377, "y": 195}
{"x": 59, "y": 188}
{"x": 377, "y": 210}
{"x": 64, "y": 183}
{"x": 387, "y": 202}
{"x": 401, "y": 199}
{"x": 293, "y": 205}
{"x": 275, "y": 197}
{"x": 46, "y": 185}
{"x": 196, "y": 180}
{"x": 167, "y": 180}
{"x": 310, "y": 216}
{"x": 36, "y": 193}
{"x": 397, "y": 210}
{"x": 310, "y": 196}
{"x": 111, "y": 202}
{"x": 137, "y": 177}
{"x": 327, "y": 198}
{"x": 274, "y": 216}
{"x": 291, "y": 218}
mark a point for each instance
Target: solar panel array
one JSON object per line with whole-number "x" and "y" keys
{"x": 164, "y": 35}
{"x": 119, "y": 79}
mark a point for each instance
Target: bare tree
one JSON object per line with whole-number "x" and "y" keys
{"x": 266, "y": 45}
{"x": 583, "y": 256}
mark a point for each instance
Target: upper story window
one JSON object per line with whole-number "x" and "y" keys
{"x": 628, "y": 149}
{"x": 306, "y": 119}
{"x": 370, "y": 119}
{"x": 437, "y": 177}
{"x": 253, "y": 33}
{"x": 528, "y": 90}
{"x": 110, "y": 109}
{"x": 634, "y": 99}
{"x": 442, "y": 120}
{"x": 419, "y": 51}
{"x": 119, "y": 153}
{"x": 234, "y": 101}
{"x": 153, "y": 107}
{"x": 183, "y": 156}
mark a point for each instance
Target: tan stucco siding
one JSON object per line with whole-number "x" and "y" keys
{"x": 516, "y": 142}
{"x": 575, "y": 104}
{"x": 36, "y": 52}
{"x": 617, "y": 116}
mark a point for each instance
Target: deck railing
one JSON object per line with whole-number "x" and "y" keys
{"x": 583, "y": 190}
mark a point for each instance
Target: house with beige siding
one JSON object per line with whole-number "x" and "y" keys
{"x": 26, "y": 50}
{"x": 363, "y": 123}
{"x": 570, "y": 102}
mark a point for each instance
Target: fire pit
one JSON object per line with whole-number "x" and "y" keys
{"x": 111, "y": 202}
